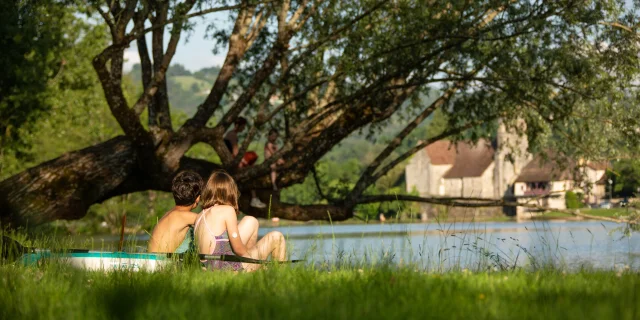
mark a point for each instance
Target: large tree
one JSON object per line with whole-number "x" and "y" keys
{"x": 340, "y": 67}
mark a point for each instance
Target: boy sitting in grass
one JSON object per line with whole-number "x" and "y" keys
{"x": 174, "y": 231}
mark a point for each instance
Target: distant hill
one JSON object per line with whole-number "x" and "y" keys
{"x": 186, "y": 89}
{"x": 193, "y": 84}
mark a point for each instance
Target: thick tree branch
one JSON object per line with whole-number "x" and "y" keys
{"x": 237, "y": 49}
{"x": 380, "y": 173}
{"x": 126, "y": 117}
{"x": 159, "y": 114}
{"x": 366, "y": 177}
{"x": 316, "y": 179}
{"x": 143, "y": 53}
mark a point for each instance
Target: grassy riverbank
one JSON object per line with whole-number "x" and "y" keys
{"x": 611, "y": 213}
{"x": 286, "y": 293}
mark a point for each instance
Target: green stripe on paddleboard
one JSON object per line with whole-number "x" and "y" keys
{"x": 33, "y": 258}
{"x": 118, "y": 255}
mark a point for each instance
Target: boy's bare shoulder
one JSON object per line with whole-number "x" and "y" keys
{"x": 175, "y": 215}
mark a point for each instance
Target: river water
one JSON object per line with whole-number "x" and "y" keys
{"x": 476, "y": 246}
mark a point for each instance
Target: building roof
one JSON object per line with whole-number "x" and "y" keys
{"x": 441, "y": 152}
{"x": 602, "y": 180}
{"x": 471, "y": 160}
{"x": 539, "y": 170}
{"x": 601, "y": 165}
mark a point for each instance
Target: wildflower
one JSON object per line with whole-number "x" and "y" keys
{"x": 481, "y": 296}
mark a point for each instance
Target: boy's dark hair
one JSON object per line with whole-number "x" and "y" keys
{"x": 186, "y": 187}
{"x": 241, "y": 121}
{"x": 274, "y": 131}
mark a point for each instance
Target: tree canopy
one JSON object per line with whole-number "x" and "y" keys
{"x": 340, "y": 68}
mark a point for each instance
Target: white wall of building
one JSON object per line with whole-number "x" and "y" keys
{"x": 436, "y": 183}
{"x": 417, "y": 173}
{"x": 453, "y": 187}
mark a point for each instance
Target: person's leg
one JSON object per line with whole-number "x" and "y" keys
{"x": 273, "y": 180}
{"x": 248, "y": 230}
{"x": 272, "y": 244}
{"x": 255, "y": 202}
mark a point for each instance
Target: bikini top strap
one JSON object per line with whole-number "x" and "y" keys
{"x": 208, "y": 229}
{"x": 195, "y": 225}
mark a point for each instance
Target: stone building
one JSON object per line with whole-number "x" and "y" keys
{"x": 501, "y": 168}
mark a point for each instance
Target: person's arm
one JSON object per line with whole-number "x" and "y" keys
{"x": 235, "y": 149}
{"x": 233, "y": 138}
{"x": 274, "y": 150}
{"x": 231, "y": 221}
{"x": 267, "y": 151}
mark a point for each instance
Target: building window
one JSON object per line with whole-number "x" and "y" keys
{"x": 537, "y": 188}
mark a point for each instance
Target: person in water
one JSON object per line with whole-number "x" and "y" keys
{"x": 249, "y": 157}
{"x": 217, "y": 230}
{"x": 270, "y": 148}
{"x": 174, "y": 233}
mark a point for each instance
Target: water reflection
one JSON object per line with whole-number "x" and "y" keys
{"x": 588, "y": 244}
{"x": 574, "y": 245}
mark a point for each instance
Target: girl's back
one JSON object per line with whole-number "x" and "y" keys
{"x": 212, "y": 236}
{"x": 211, "y": 224}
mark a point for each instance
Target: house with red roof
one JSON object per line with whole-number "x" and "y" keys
{"x": 501, "y": 168}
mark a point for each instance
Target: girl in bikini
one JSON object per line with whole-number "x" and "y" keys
{"x": 217, "y": 230}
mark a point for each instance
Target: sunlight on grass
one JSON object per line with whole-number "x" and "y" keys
{"x": 294, "y": 293}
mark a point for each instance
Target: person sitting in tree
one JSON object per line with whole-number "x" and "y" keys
{"x": 270, "y": 148}
{"x": 248, "y": 159}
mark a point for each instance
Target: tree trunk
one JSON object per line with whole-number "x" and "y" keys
{"x": 275, "y": 208}
{"x": 64, "y": 188}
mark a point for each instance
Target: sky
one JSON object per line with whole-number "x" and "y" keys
{"x": 194, "y": 52}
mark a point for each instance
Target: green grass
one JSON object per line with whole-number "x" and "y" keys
{"x": 555, "y": 215}
{"x": 303, "y": 292}
{"x": 594, "y": 212}
{"x": 608, "y": 212}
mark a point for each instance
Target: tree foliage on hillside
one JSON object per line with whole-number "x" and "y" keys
{"x": 33, "y": 36}
{"x": 340, "y": 68}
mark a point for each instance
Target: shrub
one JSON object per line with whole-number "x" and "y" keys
{"x": 572, "y": 200}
